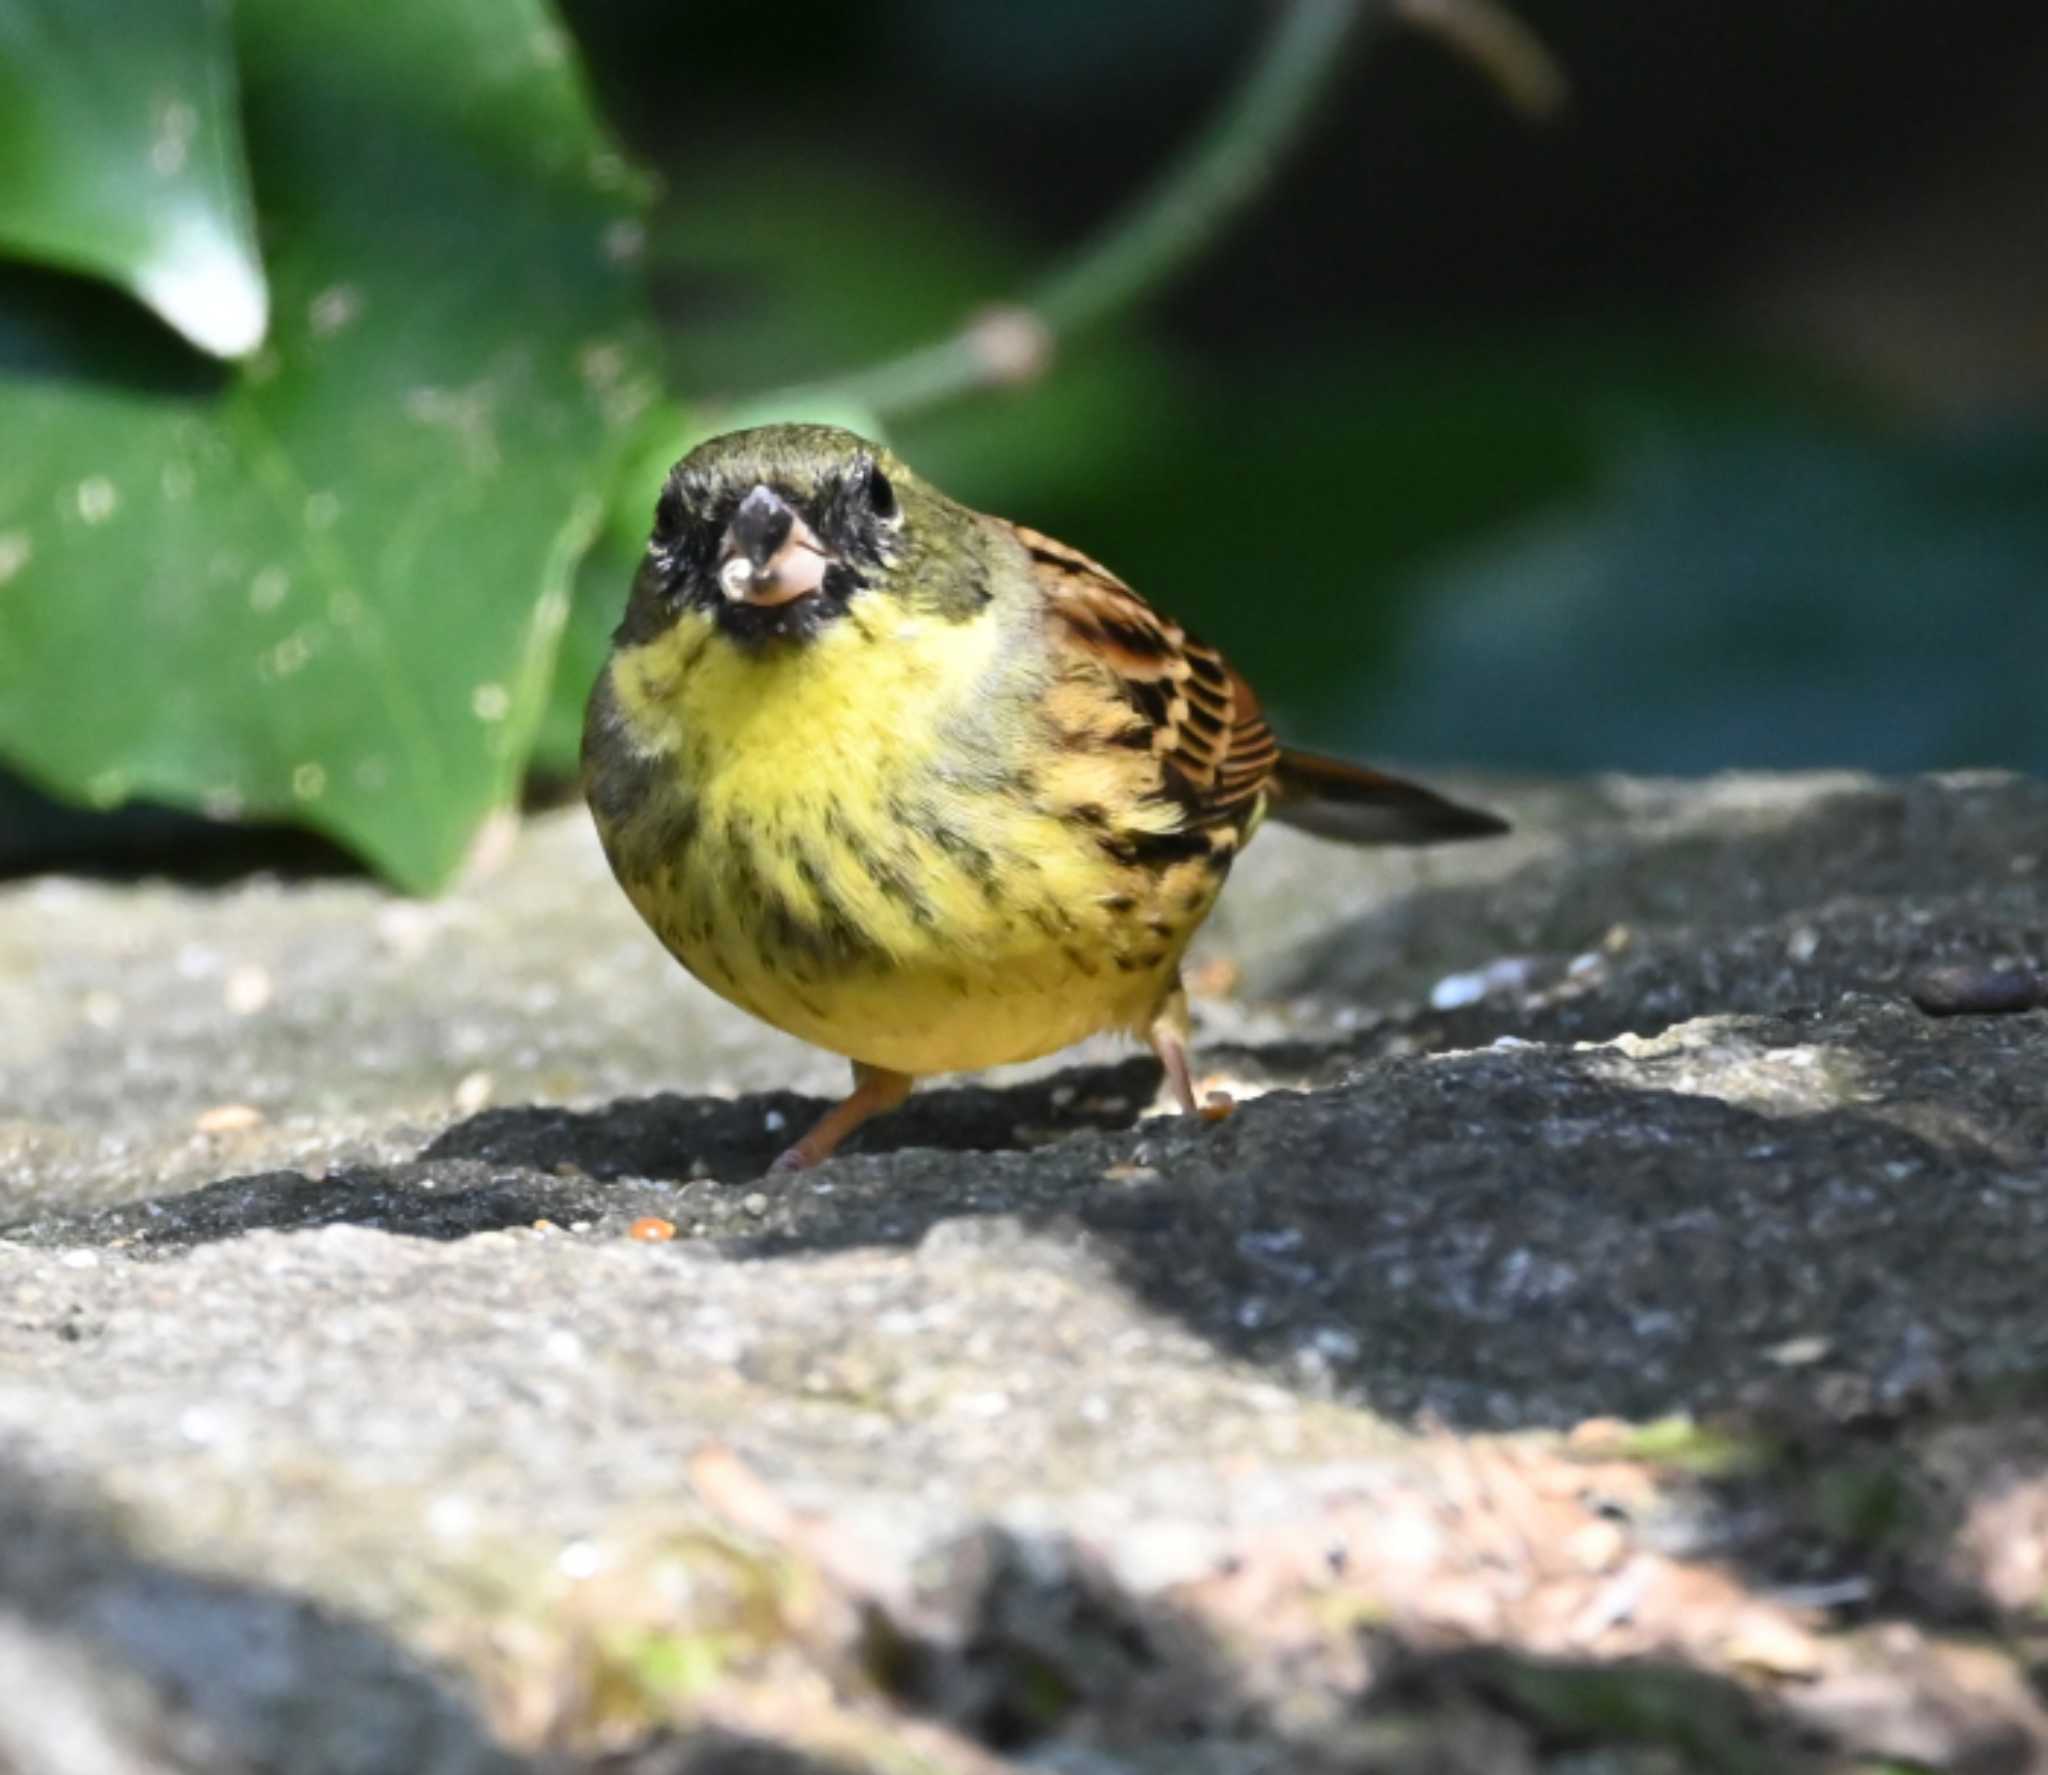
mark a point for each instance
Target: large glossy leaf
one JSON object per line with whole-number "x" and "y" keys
{"x": 329, "y": 586}
{"x": 121, "y": 156}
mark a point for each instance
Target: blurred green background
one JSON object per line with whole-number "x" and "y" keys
{"x": 1700, "y": 426}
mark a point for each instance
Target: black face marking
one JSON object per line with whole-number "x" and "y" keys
{"x": 1137, "y": 737}
{"x": 1119, "y": 903}
{"x": 753, "y": 502}
{"x": 801, "y": 619}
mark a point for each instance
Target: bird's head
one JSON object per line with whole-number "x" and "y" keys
{"x": 777, "y": 533}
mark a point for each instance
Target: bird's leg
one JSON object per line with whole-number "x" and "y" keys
{"x": 875, "y": 1091}
{"x": 1169, "y": 1033}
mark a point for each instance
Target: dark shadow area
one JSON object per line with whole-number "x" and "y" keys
{"x": 713, "y": 1751}
{"x": 737, "y": 1140}
{"x": 69, "y": 327}
{"x": 669, "y": 1155}
{"x": 112, "y": 1660}
{"x": 1041, "y": 1655}
{"x": 38, "y": 834}
{"x": 1030, "y": 1651}
{"x": 1500, "y": 1239}
{"x": 175, "y": 1671}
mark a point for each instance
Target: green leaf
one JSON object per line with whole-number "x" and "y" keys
{"x": 329, "y": 587}
{"x": 1763, "y": 596}
{"x": 122, "y": 158}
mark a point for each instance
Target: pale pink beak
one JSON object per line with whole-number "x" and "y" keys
{"x": 771, "y": 556}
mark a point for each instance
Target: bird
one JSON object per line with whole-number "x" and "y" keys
{"x": 923, "y": 787}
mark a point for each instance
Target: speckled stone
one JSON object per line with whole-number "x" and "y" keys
{"x": 334, "y": 1393}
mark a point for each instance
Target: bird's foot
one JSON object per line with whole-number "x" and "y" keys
{"x": 874, "y": 1092}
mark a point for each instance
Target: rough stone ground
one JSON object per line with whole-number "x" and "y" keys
{"x": 1616, "y": 1341}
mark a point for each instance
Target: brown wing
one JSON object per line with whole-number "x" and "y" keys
{"x": 1134, "y": 682}
{"x": 1131, "y": 680}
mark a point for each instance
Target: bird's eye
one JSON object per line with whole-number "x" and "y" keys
{"x": 881, "y": 495}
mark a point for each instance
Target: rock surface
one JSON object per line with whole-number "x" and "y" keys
{"x": 1609, "y": 1335}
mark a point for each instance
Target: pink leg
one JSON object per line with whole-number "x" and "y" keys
{"x": 1169, "y": 1035}
{"x": 875, "y": 1092}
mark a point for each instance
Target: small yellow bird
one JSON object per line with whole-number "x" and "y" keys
{"x": 923, "y": 787}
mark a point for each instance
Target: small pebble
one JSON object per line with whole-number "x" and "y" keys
{"x": 1218, "y": 977}
{"x": 1453, "y": 992}
{"x": 754, "y": 1203}
{"x": 472, "y": 1092}
{"x": 1978, "y": 991}
{"x": 229, "y": 1118}
{"x": 1775, "y": 1646}
{"x": 247, "y": 990}
{"x": 1596, "y": 1546}
{"x": 651, "y": 1229}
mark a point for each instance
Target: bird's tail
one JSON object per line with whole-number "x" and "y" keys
{"x": 1346, "y": 802}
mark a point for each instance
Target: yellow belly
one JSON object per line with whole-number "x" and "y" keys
{"x": 919, "y": 1021}
{"x": 876, "y": 941}
{"x": 819, "y": 842}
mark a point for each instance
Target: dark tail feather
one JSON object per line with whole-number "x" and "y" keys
{"x": 1343, "y": 801}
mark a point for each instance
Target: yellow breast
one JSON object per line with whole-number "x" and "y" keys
{"x": 858, "y": 841}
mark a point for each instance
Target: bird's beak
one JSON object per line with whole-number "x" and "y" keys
{"x": 770, "y": 555}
